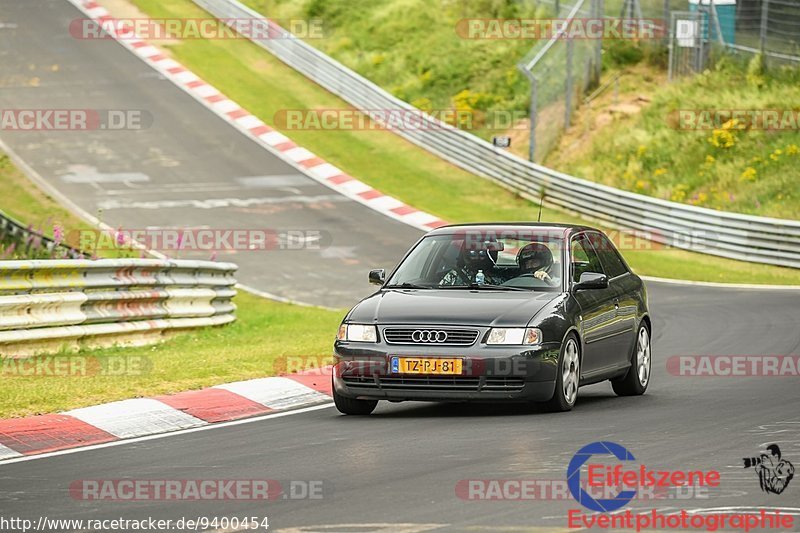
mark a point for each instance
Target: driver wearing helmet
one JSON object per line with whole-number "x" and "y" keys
{"x": 536, "y": 259}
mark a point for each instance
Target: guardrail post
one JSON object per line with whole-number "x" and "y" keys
{"x": 534, "y": 104}
{"x": 763, "y": 33}
{"x": 598, "y": 50}
{"x": 568, "y": 84}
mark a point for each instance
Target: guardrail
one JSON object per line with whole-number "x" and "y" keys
{"x": 736, "y": 236}
{"x": 47, "y": 304}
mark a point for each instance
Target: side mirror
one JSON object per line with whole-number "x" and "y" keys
{"x": 591, "y": 280}
{"x": 377, "y": 276}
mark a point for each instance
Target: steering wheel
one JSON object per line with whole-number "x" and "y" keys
{"x": 529, "y": 281}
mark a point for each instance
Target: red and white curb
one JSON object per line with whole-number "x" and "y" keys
{"x": 139, "y": 417}
{"x": 302, "y": 159}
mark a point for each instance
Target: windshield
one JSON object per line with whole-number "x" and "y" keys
{"x": 528, "y": 259}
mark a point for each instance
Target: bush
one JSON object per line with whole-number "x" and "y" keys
{"x": 619, "y": 53}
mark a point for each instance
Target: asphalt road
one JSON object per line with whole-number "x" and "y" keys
{"x": 188, "y": 168}
{"x": 402, "y": 464}
{"x": 397, "y": 470}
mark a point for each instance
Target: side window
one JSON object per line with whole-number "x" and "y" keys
{"x": 612, "y": 264}
{"x": 584, "y": 258}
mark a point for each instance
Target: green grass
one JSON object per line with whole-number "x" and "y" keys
{"x": 267, "y": 338}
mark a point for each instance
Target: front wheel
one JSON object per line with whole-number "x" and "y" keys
{"x": 637, "y": 379}
{"x": 568, "y": 377}
{"x": 353, "y": 406}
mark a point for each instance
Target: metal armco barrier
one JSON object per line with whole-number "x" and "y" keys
{"x": 48, "y": 303}
{"x": 749, "y": 238}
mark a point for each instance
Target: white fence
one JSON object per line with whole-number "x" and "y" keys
{"x": 46, "y": 304}
{"x": 743, "y": 237}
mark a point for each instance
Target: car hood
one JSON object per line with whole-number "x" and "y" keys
{"x": 451, "y": 307}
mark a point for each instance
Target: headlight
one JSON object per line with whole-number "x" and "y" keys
{"x": 357, "y": 333}
{"x": 522, "y": 336}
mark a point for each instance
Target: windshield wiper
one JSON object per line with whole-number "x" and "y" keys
{"x": 476, "y": 286}
{"x": 407, "y": 285}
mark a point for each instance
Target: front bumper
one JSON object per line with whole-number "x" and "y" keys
{"x": 490, "y": 373}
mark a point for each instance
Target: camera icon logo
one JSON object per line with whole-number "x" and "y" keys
{"x": 774, "y": 473}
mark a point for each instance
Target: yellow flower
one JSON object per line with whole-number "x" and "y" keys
{"x": 722, "y": 139}
{"x": 732, "y": 124}
{"x": 678, "y": 193}
{"x": 659, "y": 172}
{"x": 792, "y": 149}
{"x": 749, "y": 174}
{"x": 641, "y": 150}
{"x": 641, "y": 184}
{"x": 710, "y": 159}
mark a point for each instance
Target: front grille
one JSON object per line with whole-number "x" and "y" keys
{"x": 431, "y": 383}
{"x": 503, "y": 384}
{"x": 431, "y": 336}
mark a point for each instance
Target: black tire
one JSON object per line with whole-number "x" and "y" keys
{"x": 638, "y": 378}
{"x": 352, "y": 406}
{"x": 570, "y": 352}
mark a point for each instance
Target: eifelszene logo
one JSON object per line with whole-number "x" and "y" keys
{"x": 774, "y": 473}
{"x": 628, "y": 480}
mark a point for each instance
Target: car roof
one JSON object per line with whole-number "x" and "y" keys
{"x": 511, "y": 226}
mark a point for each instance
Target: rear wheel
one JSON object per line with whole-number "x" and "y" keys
{"x": 637, "y": 379}
{"x": 568, "y": 377}
{"x": 352, "y": 406}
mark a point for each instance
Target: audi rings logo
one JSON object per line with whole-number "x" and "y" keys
{"x": 427, "y": 335}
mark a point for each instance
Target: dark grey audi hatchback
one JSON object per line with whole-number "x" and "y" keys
{"x": 497, "y": 312}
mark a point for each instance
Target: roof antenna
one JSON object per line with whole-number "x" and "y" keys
{"x": 541, "y": 200}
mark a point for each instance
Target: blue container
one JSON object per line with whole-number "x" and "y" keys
{"x": 726, "y": 12}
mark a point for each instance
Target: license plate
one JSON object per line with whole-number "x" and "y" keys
{"x": 426, "y": 365}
